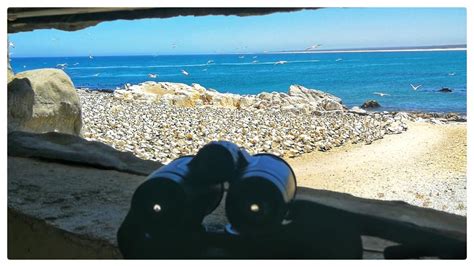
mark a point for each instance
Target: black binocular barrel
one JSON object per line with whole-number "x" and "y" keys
{"x": 168, "y": 199}
{"x": 258, "y": 200}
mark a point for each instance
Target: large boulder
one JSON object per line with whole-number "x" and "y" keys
{"x": 43, "y": 100}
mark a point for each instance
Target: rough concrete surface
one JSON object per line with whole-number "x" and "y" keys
{"x": 76, "y": 150}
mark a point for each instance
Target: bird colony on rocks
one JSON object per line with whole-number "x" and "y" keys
{"x": 162, "y": 121}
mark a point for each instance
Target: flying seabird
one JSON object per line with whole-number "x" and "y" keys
{"x": 381, "y": 94}
{"x": 339, "y": 59}
{"x": 62, "y": 65}
{"x": 452, "y": 73}
{"x": 96, "y": 75}
{"x": 152, "y": 75}
{"x": 185, "y": 73}
{"x": 210, "y": 61}
{"x": 91, "y": 57}
{"x": 415, "y": 87}
{"x": 313, "y": 47}
{"x": 281, "y": 62}
{"x": 11, "y": 44}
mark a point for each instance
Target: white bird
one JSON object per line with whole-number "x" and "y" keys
{"x": 204, "y": 69}
{"x": 62, "y": 66}
{"x": 185, "y": 73}
{"x": 96, "y": 75}
{"x": 210, "y": 61}
{"x": 91, "y": 57}
{"x": 452, "y": 73}
{"x": 255, "y": 61}
{"x": 415, "y": 87}
{"x": 313, "y": 47}
{"x": 11, "y": 44}
{"x": 152, "y": 75}
{"x": 75, "y": 64}
{"x": 242, "y": 57}
{"x": 381, "y": 94}
{"x": 339, "y": 59}
{"x": 281, "y": 62}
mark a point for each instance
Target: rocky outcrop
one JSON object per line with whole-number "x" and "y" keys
{"x": 43, "y": 100}
{"x": 298, "y": 99}
{"x": 73, "y": 19}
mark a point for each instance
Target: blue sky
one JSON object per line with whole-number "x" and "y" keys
{"x": 334, "y": 28}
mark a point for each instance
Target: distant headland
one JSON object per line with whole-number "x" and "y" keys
{"x": 456, "y": 47}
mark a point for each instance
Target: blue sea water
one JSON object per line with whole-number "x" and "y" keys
{"x": 354, "y": 77}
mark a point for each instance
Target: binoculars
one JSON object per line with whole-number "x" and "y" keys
{"x": 174, "y": 200}
{"x": 266, "y": 218}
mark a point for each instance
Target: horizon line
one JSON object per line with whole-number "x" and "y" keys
{"x": 456, "y": 47}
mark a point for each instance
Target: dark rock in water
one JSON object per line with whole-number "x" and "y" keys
{"x": 445, "y": 90}
{"x": 370, "y": 104}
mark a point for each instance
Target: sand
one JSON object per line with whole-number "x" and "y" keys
{"x": 425, "y": 166}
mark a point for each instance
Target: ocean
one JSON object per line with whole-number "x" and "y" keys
{"x": 354, "y": 77}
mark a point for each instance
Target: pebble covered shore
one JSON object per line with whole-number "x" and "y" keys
{"x": 163, "y": 132}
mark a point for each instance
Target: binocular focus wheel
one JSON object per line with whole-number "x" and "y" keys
{"x": 216, "y": 162}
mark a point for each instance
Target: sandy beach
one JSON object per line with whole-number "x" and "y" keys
{"x": 425, "y": 166}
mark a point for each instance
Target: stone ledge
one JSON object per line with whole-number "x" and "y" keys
{"x": 71, "y": 210}
{"x": 31, "y": 238}
{"x": 76, "y": 150}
